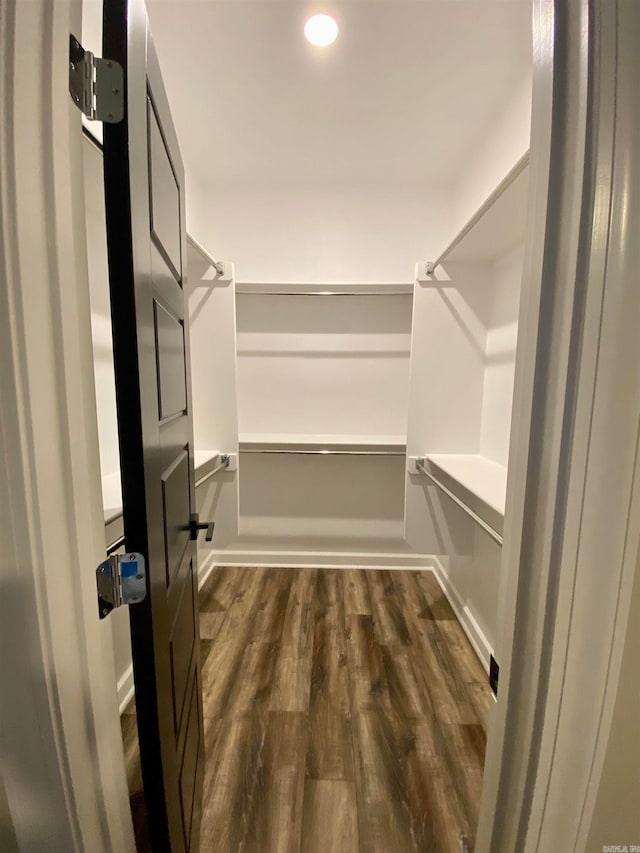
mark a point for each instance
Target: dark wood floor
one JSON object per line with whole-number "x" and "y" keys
{"x": 344, "y": 711}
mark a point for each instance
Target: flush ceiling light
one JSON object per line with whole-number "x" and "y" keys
{"x": 321, "y": 30}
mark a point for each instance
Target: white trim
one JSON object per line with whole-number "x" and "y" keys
{"x": 206, "y": 566}
{"x": 474, "y": 632}
{"x": 571, "y": 531}
{"x": 602, "y": 525}
{"x": 126, "y": 688}
{"x": 60, "y": 740}
{"x": 321, "y": 559}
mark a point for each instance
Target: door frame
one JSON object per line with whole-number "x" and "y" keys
{"x": 572, "y": 540}
{"x": 60, "y": 738}
{"x": 68, "y": 731}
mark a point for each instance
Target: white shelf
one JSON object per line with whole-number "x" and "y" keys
{"x": 477, "y": 481}
{"x": 202, "y": 457}
{"x": 293, "y": 441}
{"x": 481, "y": 476}
{"x": 497, "y": 226}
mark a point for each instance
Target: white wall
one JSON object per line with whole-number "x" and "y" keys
{"x": 322, "y": 234}
{"x": 500, "y": 356}
{"x": 505, "y": 142}
{"x": 212, "y": 316}
{"x": 322, "y": 503}
{"x": 100, "y": 310}
{"x": 324, "y": 365}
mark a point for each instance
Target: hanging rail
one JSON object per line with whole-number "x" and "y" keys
{"x": 217, "y": 265}
{"x": 225, "y": 459}
{"x": 115, "y": 546}
{"x": 474, "y": 515}
{"x": 266, "y": 289}
{"x": 321, "y": 293}
{"x": 326, "y": 452}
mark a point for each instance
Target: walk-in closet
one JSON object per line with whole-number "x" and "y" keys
{"x": 356, "y": 220}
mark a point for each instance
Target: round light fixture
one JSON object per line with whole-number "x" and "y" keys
{"x": 321, "y": 30}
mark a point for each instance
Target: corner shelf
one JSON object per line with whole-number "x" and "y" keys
{"x": 477, "y": 481}
{"x": 497, "y": 226}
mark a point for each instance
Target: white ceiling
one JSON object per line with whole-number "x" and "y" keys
{"x": 404, "y": 94}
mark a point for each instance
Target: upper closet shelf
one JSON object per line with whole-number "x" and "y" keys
{"x": 496, "y": 227}
{"x": 383, "y": 445}
{"x": 262, "y": 288}
{"x": 474, "y": 481}
{"x": 203, "y": 459}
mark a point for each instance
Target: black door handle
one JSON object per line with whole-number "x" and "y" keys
{"x": 196, "y": 525}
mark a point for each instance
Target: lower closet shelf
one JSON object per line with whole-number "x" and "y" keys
{"x": 477, "y": 482}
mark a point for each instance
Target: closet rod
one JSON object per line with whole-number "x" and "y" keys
{"x": 224, "y": 463}
{"x": 217, "y": 265}
{"x": 322, "y": 293}
{"x": 115, "y": 546}
{"x": 325, "y": 452}
{"x": 483, "y": 524}
{"x": 504, "y": 185}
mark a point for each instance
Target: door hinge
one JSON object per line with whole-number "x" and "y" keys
{"x": 96, "y": 85}
{"x": 121, "y": 579}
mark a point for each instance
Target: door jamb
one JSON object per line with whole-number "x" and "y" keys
{"x": 572, "y": 503}
{"x": 61, "y": 741}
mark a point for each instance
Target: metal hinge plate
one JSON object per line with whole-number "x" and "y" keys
{"x": 121, "y": 579}
{"x": 96, "y": 85}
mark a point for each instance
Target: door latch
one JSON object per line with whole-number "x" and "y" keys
{"x": 121, "y": 579}
{"x": 196, "y": 526}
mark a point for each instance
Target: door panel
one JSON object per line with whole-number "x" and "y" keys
{"x": 182, "y": 646}
{"x": 172, "y": 389}
{"x": 177, "y": 513}
{"x": 144, "y": 192}
{"x": 188, "y": 770}
{"x": 164, "y": 194}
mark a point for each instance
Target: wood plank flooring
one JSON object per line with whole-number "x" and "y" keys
{"x": 345, "y": 712}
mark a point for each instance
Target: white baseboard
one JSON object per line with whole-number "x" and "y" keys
{"x": 314, "y": 559}
{"x": 471, "y": 628}
{"x": 205, "y": 568}
{"x": 125, "y": 688}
